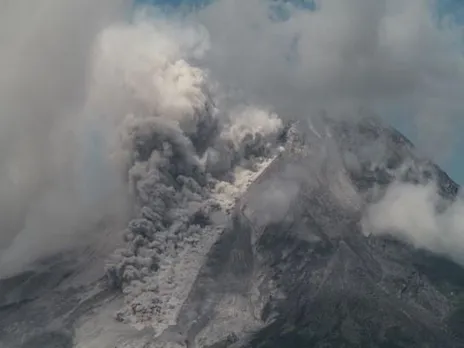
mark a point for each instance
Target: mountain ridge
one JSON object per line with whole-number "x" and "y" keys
{"x": 291, "y": 265}
{"x": 350, "y": 263}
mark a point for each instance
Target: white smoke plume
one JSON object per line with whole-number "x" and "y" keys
{"x": 411, "y": 213}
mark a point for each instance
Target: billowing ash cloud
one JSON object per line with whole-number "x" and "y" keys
{"x": 122, "y": 113}
{"x": 183, "y": 150}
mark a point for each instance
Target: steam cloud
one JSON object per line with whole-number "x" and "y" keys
{"x": 410, "y": 213}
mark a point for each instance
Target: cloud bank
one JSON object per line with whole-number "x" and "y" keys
{"x": 49, "y": 162}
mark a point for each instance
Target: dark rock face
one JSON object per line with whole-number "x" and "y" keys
{"x": 347, "y": 291}
{"x": 385, "y": 154}
{"x": 337, "y": 287}
{"x": 50, "y": 340}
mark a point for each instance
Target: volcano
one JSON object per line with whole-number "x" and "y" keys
{"x": 286, "y": 262}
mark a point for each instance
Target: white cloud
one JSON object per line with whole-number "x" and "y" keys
{"x": 410, "y": 212}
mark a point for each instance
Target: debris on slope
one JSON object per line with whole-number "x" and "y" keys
{"x": 187, "y": 162}
{"x": 182, "y": 213}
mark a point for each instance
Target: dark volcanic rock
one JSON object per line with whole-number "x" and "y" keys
{"x": 336, "y": 286}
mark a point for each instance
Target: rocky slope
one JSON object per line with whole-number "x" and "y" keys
{"x": 275, "y": 256}
{"x": 297, "y": 268}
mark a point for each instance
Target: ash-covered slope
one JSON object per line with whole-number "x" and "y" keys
{"x": 297, "y": 269}
{"x": 275, "y": 255}
{"x": 340, "y": 288}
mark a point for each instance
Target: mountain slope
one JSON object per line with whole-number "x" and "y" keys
{"x": 277, "y": 257}
{"x": 321, "y": 281}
